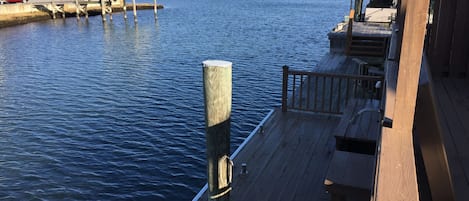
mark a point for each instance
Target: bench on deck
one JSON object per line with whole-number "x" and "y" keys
{"x": 359, "y": 127}
{"x": 351, "y": 170}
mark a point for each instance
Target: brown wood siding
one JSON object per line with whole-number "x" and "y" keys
{"x": 460, "y": 45}
{"x": 442, "y": 35}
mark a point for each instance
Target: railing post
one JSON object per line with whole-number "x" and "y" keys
{"x": 349, "y": 32}
{"x": 284, "y": 88}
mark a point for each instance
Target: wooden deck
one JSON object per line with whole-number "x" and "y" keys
{"x": 452, "y": 96}
{"x": 288, "y": 161}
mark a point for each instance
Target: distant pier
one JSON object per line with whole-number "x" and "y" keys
{"x": 39, "y": 10}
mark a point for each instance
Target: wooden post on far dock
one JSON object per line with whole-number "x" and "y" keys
{"x": 78, "y": 9}
{"x": 155, "y": 7}
{"x": 124, "y": 7}
{"x": 134, "y": 6}
{"x": 54, "y": 11}
{"x": 103, "y": 10}
{"x": 109, "y": 9}
{"x": 217, "y": 95}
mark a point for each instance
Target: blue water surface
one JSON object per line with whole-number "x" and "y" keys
{"x": 114, "y": 111}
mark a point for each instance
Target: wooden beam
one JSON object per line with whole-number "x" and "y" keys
{"x": 396, "y": 179}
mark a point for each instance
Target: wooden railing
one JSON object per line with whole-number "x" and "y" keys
{"x": 326, "y": 92}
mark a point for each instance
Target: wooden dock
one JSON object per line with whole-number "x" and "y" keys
{"x": 418, "y": 157}
{"x": 288, "y": 158}
{"x": 288, "y": 161}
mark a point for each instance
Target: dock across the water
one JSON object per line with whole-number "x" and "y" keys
{"x": 38, "y": 10}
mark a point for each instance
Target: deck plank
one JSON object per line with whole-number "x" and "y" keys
{"x": 288, "y": 161}
{"x": 306, "y": 164}
{"x": 303, "y": 131}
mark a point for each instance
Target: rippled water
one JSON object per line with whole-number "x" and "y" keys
{"x": 115, "y": 111}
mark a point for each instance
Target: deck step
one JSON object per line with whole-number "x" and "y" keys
{"x": 368, "y": 46}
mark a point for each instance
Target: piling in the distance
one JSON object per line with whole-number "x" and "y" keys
{"x": 155, "y": 9}
{"x": 103, "y": 10}
{"x": 134, "y": 6}
{"x": 124, "y": 7}
{"x": 77, "y": 9}
{"x": 217, "y": 95}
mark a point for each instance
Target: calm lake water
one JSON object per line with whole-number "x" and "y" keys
{"x": 115, "y": 111}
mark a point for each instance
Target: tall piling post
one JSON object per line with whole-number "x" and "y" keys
{"x": 109, "y": 9}
{"x": 86, "y": 11}
{"x": 53, "y": 9}
{"x": 103, "y": 10}
{"x": 134, "y": 6}
{"x": 124, "y": 7}
{"x": 155, "y": 8}
{"x": 217, "y": 96}
{"x": 78, "y": 9}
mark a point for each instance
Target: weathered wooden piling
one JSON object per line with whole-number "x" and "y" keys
{"x": 134, "y": 6}
{"x": 53, "y": 9}
{"x": 77, "y": 9}
{"x": 108, "y": 4}
{"x": 124, "y": 7}
{"x": 217, "y": 95}
{"x": 155, "y": 8}
{"x": 103, "y": 10}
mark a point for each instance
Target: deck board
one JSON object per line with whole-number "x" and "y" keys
{"x": 453, "y": 102}
{"x": 288, "y": 161}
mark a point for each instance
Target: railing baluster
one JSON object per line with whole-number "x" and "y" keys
{"x": 355, "y": 88}
{"x": 347, "y": 91}
{"x": 285, "y": 89}
{"x": 316, "y": 92}
{"x": 330, "y": 94}
{"x": 338, "y": 95}
{"x": 323, "y": 92}
{"x": 293, "y": 89}
{"x": 308, "y": 92}
{"x": 301, "y": 91}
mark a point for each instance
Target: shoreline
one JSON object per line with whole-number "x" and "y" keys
{"x": 14, "y": 19}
